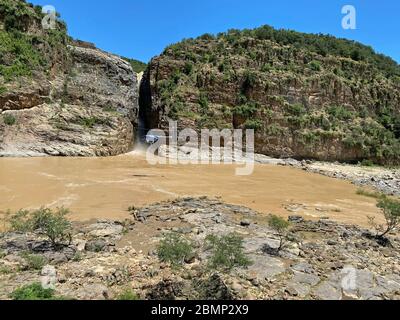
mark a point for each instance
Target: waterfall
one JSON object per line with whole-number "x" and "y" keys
{"x": 142, "y": 127}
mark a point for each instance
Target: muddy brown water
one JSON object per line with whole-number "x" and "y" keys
{"x": 105, "y": 187}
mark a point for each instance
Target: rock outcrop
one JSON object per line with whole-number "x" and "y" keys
{"x": 82, "y": 102}
{"x": 307, "y": 96}
{"x": 321, "y": 260}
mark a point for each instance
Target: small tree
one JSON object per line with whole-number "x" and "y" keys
{"x": 391, "y": 211}
{"x": 53, "y": 224}
{"x": 227, "y": 252}
{"x": 281, "y": 226}
{"x": 34, "y": 291}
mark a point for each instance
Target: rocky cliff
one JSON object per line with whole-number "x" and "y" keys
{"x": 59, "y": 96}
{"x": 307, "y": 96}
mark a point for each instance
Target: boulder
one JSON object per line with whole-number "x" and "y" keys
{"x": 49, "y": 277}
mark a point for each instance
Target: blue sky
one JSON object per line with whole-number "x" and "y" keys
{"x": 142, "y": 29}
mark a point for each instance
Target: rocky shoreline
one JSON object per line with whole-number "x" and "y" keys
{"x": 323, "y": 260}
{"x": 382, "y": 179}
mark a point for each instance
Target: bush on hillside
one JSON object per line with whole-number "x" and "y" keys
{"x": 390, "y": 209}
{"x": 51, "y": 223}
{"x": 280, "y": 226}
{"x": 34, "y": 291}
{"x": 227, "y": 252}
{"x": 174, "y": 249}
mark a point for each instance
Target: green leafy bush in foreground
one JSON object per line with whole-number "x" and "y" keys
{"x": 226, "y": 252}
{"x": 34, "y": 261}
{"x": 175, "y": 249}
{"x": 127, "y": 295}
{"x": 19, "y": 221}
{"x": 51, "y": 223}
{"x": 33, "y": 291}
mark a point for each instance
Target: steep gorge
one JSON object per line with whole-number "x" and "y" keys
{"x": 306, "y": 96}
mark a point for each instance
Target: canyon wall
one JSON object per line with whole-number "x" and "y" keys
{"x": 306, "y": 96}
{"x": 64, "y": 97}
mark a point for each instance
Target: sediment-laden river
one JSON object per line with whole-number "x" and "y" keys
{"x": 106, "y": 187}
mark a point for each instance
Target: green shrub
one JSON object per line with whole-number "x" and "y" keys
{"x": 222, "y": 67}
{"x": 296, "y": 109}
{"x": 253, "y": 124}
{"x": 247, "y": 109}
{"x": 51, "y": 223}
{"x": 391, "y": 211}
{"x": 250, "y": 79}
{"x": 275, "y": 129}
{"x": 309, "y": 138}
{"x": 315, "y": 65}
{"x": 174, "y": 249}
{"x": 127, "y": 295}
{"x": 34, "y": 261}
{"x": 340, "y": 113}
{"x": 3, "y": 90}
{"x": 77, "y": 257}
{"x": 91, "y": 122}
{"x": 176, "y": 76}
{"x": 112, "y": 110}
{"x": 137, "y": 66}
{"x": 266, "y": 67}
{"x": 367, "y": 163}
{"x": 34, "y": 291}
{"x": 281, "y": 226}
{"x": 20, "y": 221}
{"x": 9, "y": 119}
{"x": 203, "y": 102}
{"x": 227, "y": 252}
{"x": 5, "y": 270}
{"x": 188, "y": 68}
{"x": 206, "y": 36}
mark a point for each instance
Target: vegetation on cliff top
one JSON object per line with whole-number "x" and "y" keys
{"x": 25, "y": 47}
{"x": 324, "y": 45}
{"x": 137, "y": 66}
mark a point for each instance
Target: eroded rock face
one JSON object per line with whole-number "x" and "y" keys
{"x": 90, "y": 110}
{"x": 289, "y": 95}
